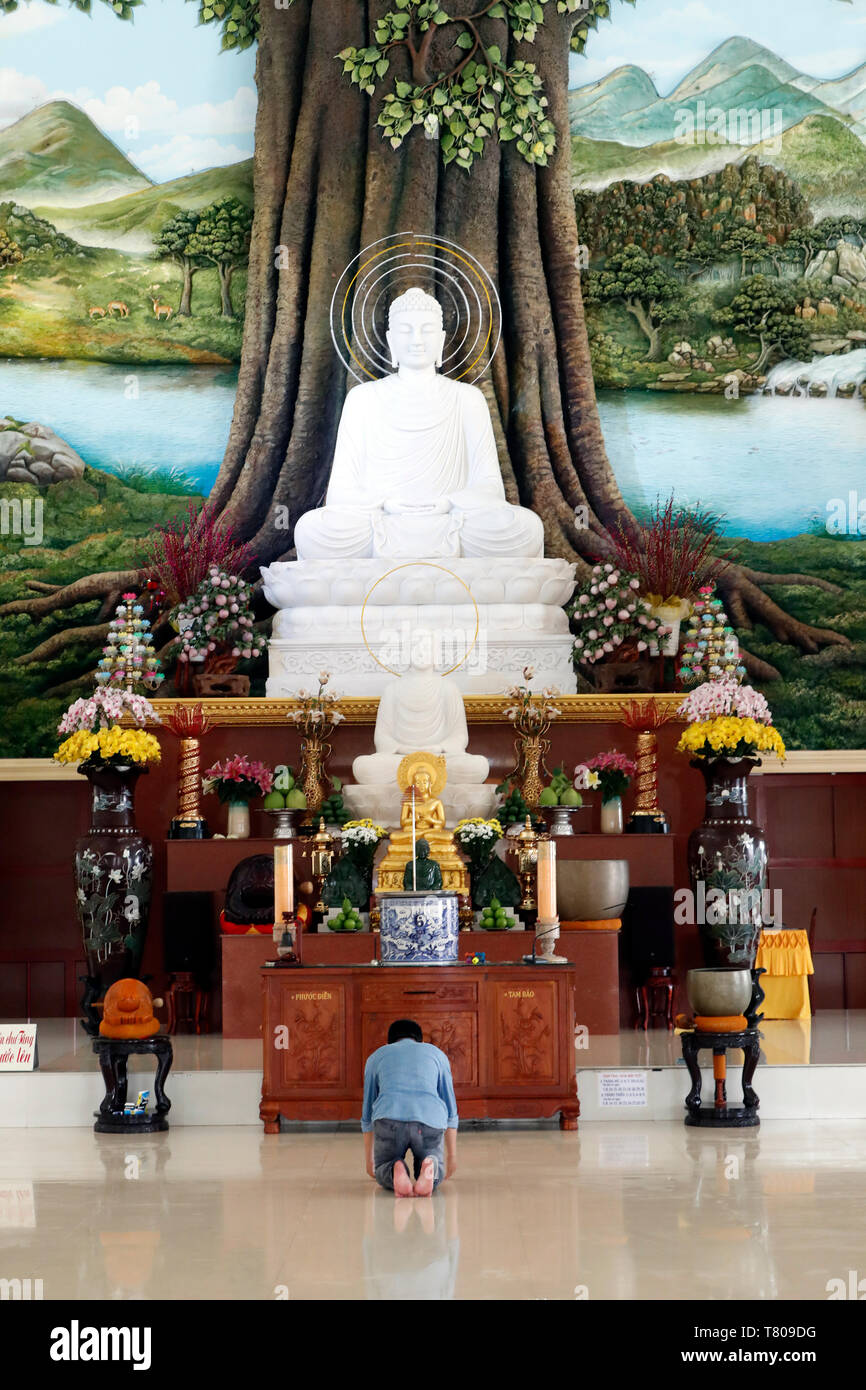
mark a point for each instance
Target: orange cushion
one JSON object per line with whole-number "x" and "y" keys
{"x": 727, "y": 1023}
{"x": 603, "y": 924}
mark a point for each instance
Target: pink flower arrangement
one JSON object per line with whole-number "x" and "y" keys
{"x": 105, "y": 708}
{"x": 717, "y": 698}
{"x": 238, "y": 778}
{"x": 610, "y": 616}
{"x": 615, "y": 771}
{"x": 217, "y": 621}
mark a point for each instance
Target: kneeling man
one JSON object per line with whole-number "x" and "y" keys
{"x": 409, "y": 1104}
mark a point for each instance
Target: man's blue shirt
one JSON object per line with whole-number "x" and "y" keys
{"x": 409, "y": 1081}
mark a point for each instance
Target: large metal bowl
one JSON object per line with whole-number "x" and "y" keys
{"x": 719, "y": 991}
{"x": 588, "y": 890}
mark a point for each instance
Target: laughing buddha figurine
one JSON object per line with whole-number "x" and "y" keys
{"x": 425, "y": 774}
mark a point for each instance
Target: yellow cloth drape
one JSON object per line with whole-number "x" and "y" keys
{"x": 786, "y": 957}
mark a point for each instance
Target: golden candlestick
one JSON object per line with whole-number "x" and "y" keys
{"x": 188, "y": 725}
{"x": 322, "y": 859}
{"x": 526, "y": 849}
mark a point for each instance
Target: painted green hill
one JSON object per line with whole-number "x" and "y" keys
{"x": 820, "y": 154}
{"x": 733, "y": 56}
{"x": 596, "y": 163}
{"x": 827, "y": 160}
{"x": 57, "y": 155}
{"x": 129, "y": 223}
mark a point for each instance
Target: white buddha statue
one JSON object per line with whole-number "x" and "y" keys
{"x": 420, "y": 709}
{"x": 415, "y": 469}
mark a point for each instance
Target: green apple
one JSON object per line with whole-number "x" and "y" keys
{"x": 274, "y": 801}
{"x": 548, "y": 797}
{"x": 295, "y": 800}
{"x": 570, "y": 797}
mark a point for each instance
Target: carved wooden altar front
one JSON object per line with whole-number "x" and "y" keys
{"x": 508, "y": 1031}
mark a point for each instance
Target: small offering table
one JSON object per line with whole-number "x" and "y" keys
{"x": 508, "y": 1031}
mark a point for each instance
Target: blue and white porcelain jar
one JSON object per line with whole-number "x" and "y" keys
{"x": 419, "y": 928}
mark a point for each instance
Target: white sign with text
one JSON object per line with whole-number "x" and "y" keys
{"x": 18, "y": 1047}
{"x": 622, "y": 1088}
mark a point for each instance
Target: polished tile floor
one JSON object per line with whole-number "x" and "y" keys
{"x": 619, "y": 1211}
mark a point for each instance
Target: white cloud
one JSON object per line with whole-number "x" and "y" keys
{"x": 148, "y": 110}
{"x": 237, "y": 115}
{"x": 183, "y": 154}
{"x": 29, "y": 18}
{"x": 18, "y": 92}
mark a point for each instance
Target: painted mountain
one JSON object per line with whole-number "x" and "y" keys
{"x": 57, "y": 155}
{"x": 750, "y": 101}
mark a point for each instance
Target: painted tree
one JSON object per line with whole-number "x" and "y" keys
{"x": 642, "y": 285}
{"x": 222, "y": 235}
{"x": 764, "y": 309}
{"x": 438, "y": 116}
{"x": 172, "y": 243}
{"x": 748, "y": 245}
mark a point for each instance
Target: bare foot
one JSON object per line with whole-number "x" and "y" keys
{"x": 426, "y": 1178}
{"x": 402, "y": 1182}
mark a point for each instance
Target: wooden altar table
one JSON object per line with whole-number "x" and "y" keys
{"x": 508, "y": 1031}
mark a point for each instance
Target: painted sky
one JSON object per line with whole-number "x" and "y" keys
{"x": 824, "y": 38}
{"x": 159, "y": 86}
{"x": 166, "y": 94}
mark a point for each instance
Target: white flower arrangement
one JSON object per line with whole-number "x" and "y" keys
{"x": 362, "y": 832}
{"x": 476, "y": 831}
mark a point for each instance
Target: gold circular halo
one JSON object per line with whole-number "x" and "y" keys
{"x": 412, "y": 764}
{"x": 406, "y": 256}
{"x": 411, "y": 565}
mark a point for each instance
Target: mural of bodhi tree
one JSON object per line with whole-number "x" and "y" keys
{"x": 449, "y": 117}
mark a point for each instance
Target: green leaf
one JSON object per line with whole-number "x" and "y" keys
{"x": 441, "y": 17}
{"x": 382, "y": 67}
{"x": 402, "y": 89}
{"x": 465, "y": 41}
{"x": 494, "y": 53}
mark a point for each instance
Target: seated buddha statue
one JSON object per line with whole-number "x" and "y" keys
{"x": 421, "y": 709}
{"x": 416, "y": 471}
{"x": 425, "y": 775}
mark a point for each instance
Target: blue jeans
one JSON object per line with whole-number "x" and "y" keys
{"x": 391, "y": 1139}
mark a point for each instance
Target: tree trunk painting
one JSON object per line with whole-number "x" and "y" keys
{"x": 326, "y": 184}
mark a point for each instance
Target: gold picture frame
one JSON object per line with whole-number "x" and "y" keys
{"x": 480, "y": 709}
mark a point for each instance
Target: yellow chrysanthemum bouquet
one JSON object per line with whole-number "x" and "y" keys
{"x": 728, "y": 720}
{"x": 96, "y": 736}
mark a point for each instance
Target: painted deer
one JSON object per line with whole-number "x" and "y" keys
{"x": 160, "y": 310}
{"x": 96, "y": 312}
{"x": 121, "y": 308}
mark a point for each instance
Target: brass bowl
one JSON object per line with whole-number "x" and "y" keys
{"x": 719, "y": 991}
{"x": 588, "y": 890}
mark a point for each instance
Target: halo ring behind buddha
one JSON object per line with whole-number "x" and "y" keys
{"x": 418, "y": 564}
{"x": 388, "y": 267}
{"x": 412, "y": 764}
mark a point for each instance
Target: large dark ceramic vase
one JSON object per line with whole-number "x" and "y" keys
{"x": 113, "y": 881}
{"x": 728, "y": 853}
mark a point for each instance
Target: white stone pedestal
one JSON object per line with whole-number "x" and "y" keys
{"x": 340, "y": 616}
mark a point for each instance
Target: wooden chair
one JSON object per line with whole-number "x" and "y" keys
{"x": 656, "y": 996}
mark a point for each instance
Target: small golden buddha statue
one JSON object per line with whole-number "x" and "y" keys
{"x": 425, "y": 775}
